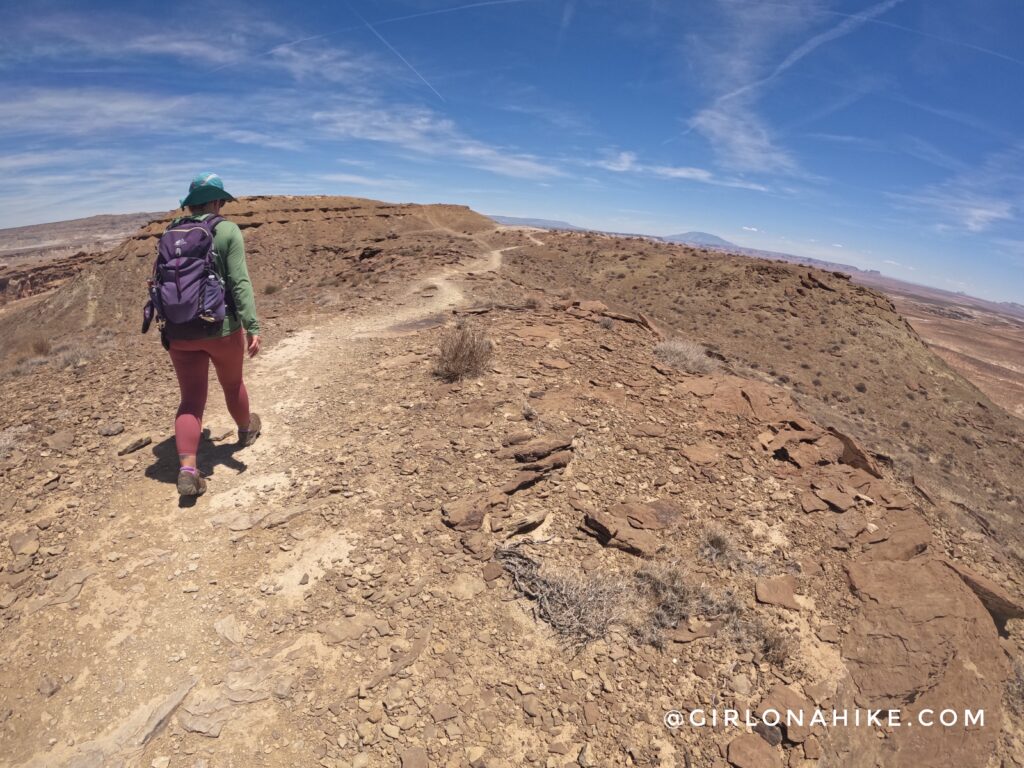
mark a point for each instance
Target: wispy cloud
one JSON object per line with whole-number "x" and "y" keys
{"x": 976, "y": 198}
{"x": 739, "y": 136}
{"x": 429, "y": 134}
{"x": 626, "y": 162}
{"x": 751, "y": 229}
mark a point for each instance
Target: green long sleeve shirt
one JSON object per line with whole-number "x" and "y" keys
{"x": 229, "y": 257}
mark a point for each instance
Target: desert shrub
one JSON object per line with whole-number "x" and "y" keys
{"x": 41, "y": 347}
{"x": 72, "y": 357}
{"x": 579, "y": 608}
{"x": 464, "y": 352}
{"x": 9, "y": 439}
{"x": 607, "y": 323}
{"x": 670, "y": 596}
{"x": 532, "y": 301}
{"x": 271, "y": 289}
{"x": 686, "y": 355}
{"x": 715, "y": 545}
{"x": 27, "y": 365}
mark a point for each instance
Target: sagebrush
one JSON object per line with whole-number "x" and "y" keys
{"x": 464, "y": 352}
{"x": 686, "y": 355}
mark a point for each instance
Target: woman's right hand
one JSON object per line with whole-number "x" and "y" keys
{"x": 254, "y": 344}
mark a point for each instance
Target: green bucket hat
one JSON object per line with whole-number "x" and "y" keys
{"x": 204, "y": 188}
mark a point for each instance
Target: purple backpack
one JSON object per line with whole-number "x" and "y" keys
{"x": 186, "y": 292}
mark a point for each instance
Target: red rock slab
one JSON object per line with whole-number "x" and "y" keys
{"x": 835, "y": 498}
{"x": 649, "y": 430}
{"x": 654, "y": 516}
{"x": 702, "y": 453}
{"x": 548, "y": 332}
{"x": 613, "y": 529}
{"x": 537, "y": 449}
{"x": 1000, "y": 604}
{"x": 921, "y": 640}
{"x": 901, "y": 535}
{"x": 597, "y": 307}
{"x": 777, "y": 590}
{"x": 751, "y": 751}
{"x": 809, "y": 502}
{"x": 701, "y": 386}
{"x": 782, "y": 699}
{"x": 467, "y": 514}
{"x": 556, "y": 363}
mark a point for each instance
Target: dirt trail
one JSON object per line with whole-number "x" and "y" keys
{"x": 165, "y": 626}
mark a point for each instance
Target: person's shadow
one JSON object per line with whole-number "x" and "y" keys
{"x": 164, "y": 468}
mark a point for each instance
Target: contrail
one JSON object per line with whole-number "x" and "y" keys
{"x": 393, "y": 19}
{"x": 850, "y": 23}
{"x": 868, "y": 18}
{"x": 439, "y": 11}
{"x": 394, "y": 50}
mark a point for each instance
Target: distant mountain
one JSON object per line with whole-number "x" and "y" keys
{"x": 699, "y": 238}
{"x": 515, "y": 221}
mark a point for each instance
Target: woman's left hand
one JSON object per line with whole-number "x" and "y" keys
{"x": 254, "y": 344}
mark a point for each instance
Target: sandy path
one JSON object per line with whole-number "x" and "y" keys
{"x": 164, "y": 627}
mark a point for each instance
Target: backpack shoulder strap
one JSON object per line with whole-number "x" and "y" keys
{"x": 212, "y": 222}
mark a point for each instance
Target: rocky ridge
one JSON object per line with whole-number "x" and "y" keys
{"x": 342, "y": 595}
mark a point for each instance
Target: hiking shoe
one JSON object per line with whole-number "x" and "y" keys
{"x": 191, "y": 484}
{"x": 248, "y": 436}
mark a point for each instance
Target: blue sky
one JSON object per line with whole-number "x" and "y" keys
{"x": 885, "y": 134}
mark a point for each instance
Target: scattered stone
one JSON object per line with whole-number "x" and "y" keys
{"x": 612, "y": 528}
{"x": 777, "y": 590}
{"x": 200, "y": 724}
{"x": 415, "y": 757}
{"x": 443, "y": 711}
{"x": 467, "y": 514}
{"x": 62, "y": 441}
{"x": 26, "y": 543}
{"x": 466, "y": 586}
{"x": 48, "y": 686}
{"x": 587, "y": 757}
{"x": 784, "y": 699}
{"x": 770, "y": 733}
{"x": 751, "y": 751}
{"x": 492, "y": 571}
{"x": 111, "y": 428}
{"x": 346, "y": 630}
{"x": 230, "y": 629}
{"x": 134, "y": 445}
{"x": 835, "y": 498}
{"x": 702, "y": 453}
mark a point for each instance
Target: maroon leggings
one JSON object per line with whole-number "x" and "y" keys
{"x": 191, "y": 360}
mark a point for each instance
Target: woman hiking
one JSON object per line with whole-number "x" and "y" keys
{"x": 193, "y": 287}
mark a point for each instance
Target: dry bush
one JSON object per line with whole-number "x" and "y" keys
{"x": 271, "y": 289}
{"x": 71, "y": 354}
{"x": 715, "y": 545}
{"x": 686, "y": 355}
{"x": 579, "y": 608}
{"x": 607, "y": 323}
{"x": 533, "y": 301}
{"x": 768, "y": 641}
{"x": 464, "y": 352}
{"x": 41, "y": 347}
{"x": 9, "y": 439}
{"x": 26, "y": 365}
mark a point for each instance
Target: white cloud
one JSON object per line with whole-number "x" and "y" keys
{"x": 837, "y": 245}
{"x": 427, "y": 133}
{"x": 626, "y": 162}
{"x": 751, "y": 229}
